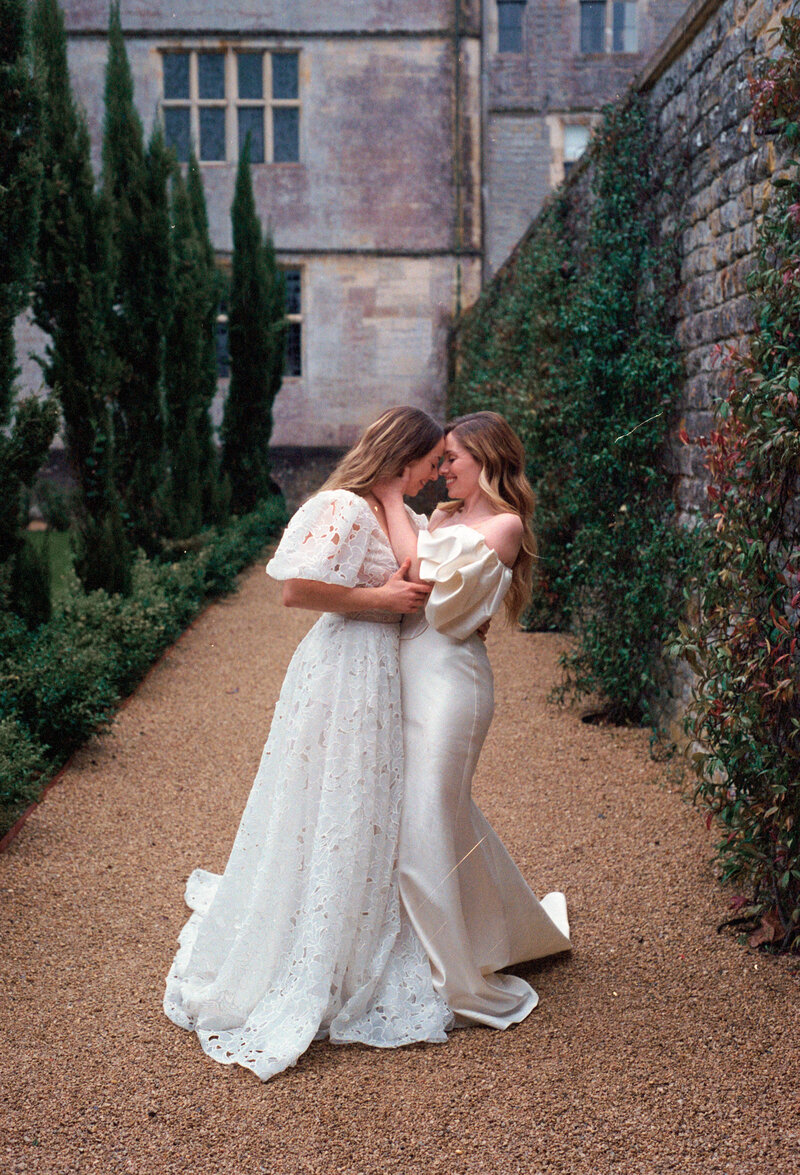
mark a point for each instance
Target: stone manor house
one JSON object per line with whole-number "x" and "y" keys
{"x": 400, "y": 149}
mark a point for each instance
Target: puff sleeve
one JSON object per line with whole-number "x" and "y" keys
{"x": 469, "y": 579}
{"x": 326, "y": 540}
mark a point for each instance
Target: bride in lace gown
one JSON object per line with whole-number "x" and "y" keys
{"x": 468, "y": 902}
{"x": 302, "y": 936}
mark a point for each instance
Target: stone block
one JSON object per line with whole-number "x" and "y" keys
{"x": 699, "y": 422}
{"x": 736, "y": 318}
{"x": 744, "y": 239}
{"x": 697, "y": 394}
{"x": 758, "y": 18}
{"x": 736, "y": 177}
{"x": 731, "y": 214}
{"x": 731, "y": 146}
{"x": 698, "y": 235}
{"x": 723, "y": 250}
{"x": 734, "y": 45}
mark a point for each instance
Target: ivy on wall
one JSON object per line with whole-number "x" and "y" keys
{"x": 574, "y": 343}
{"x": 742, "y": 639}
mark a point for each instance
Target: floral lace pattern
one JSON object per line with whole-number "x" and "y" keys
{"x": 303, "y": 935}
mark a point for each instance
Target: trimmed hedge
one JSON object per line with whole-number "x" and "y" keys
{"x": 63, "y": 682}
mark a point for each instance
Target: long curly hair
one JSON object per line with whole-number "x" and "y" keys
{"x": 398, "y": 437}
{"x": 491, "y": 440}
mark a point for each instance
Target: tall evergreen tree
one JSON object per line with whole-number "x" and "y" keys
{"x": 135, "y": 186}
{"x": 215, "y": 494}
{"x": 72, "y": 303}
{"x": 256, "y": 330}
{"x": 26, "y": 429}
{"x": 190, "y": 368}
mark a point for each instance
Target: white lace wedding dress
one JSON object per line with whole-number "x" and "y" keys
{"x": 302, "y": 936}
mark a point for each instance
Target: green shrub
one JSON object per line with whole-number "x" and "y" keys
{"x": 63, "y": 682}
{"x": 32, "y": 581}
{"x": 22, "y": 760}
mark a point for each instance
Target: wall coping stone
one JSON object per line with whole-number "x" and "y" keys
{"x": 683, "y": 33}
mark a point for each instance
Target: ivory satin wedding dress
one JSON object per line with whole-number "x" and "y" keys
{"x": 303, "y": 935}
{"x": 468, "y": 902}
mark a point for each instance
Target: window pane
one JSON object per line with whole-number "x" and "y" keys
{"x": 625, "y": 40}
{"x": 285, "y": 134}
{"x": 294, "y": 363}
{"x": 177, "y": 130}
{"x": 509, "y": 20}
{"x": 211, "y": 75}
{"x": 284, "y": 75}
{"x": 223, "y": 351}
{"x": 575, "y": 141}
{"x": 212, "y": 133}
{"x": 250, "y": 68}
{"x": 251, "y": 120}
{"x": 293, "y": 300}
{"x": 593, "y": 26}
{"x": 176, "y": 75}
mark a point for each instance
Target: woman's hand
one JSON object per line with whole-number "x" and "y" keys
{"x": 399, "y": 594}
{"x": 392, "y": 489}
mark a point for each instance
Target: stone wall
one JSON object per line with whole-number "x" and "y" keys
{"x": 699, "y": 92}
{"x": 697, "y": 87}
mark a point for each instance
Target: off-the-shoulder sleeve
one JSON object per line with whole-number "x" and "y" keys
{"x": 419, "y": 521}
{"x": 469, "y": 579}
{"x": 326, "y": 540}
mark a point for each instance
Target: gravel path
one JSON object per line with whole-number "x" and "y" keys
{"x": 658, "y": 1046}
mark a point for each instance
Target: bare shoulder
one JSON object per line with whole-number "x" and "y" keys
{"x": 437, "y": 518}
{"x": 503, "y": 533}
{"x": 508, "y": 526}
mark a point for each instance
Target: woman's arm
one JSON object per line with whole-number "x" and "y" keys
{"x": 402, "y": 532}
{"x": 398, "y": 594}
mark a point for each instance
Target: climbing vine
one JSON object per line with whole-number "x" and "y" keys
{"x": 742, "y": 640}
{"x": 574, "y": 342}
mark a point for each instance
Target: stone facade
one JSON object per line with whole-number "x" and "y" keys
{"x": 424, "y": 151}
{"x": 533, "y": 96}
{"x": 379, "y": 214}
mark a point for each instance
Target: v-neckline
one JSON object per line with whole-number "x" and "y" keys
{"x": 376, "y": 521}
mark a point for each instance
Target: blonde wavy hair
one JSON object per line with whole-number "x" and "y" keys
{"x": 490, "y": 439}
{"x": 398, "y": 437}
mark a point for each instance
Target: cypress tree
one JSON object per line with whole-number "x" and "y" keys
{"x": 195, "y": 496}
{"x": 135, "y": 186}
{"x": 72, "y": 303}
{"x": 189, "y": 382}
{"x": 256, "y": 330}
{"x": 27, "y": 428}
{"x": 216, "y": 495}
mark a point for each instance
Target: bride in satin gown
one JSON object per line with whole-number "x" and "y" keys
{"x": 468, "y": 902}
{"x": 303, "y": 935}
